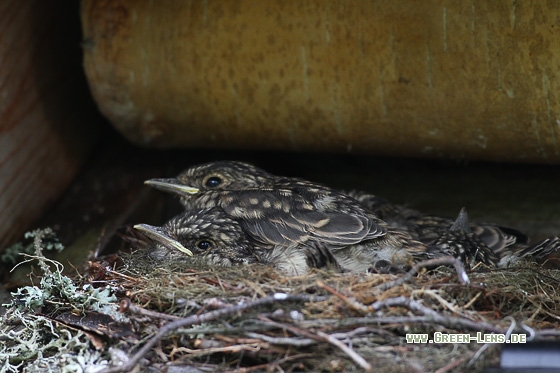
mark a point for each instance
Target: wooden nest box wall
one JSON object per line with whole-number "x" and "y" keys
{"x": 46, "y": 128}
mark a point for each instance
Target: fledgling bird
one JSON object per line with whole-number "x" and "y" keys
{"x": 214, "y": 238}
{"x": 460, "y": 241}
{"x": 427, "y": 228}
{"x": 284, "y": 212}
{"x": 507, "y": 245}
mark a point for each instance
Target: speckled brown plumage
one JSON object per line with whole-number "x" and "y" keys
{"x": 280, "y": 211}
{"x": 215, "y": 238}
{"x": 468, "y": 241}
{"x": 359, "y": 229}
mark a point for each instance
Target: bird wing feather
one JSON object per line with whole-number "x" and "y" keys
{"x": 494, "y": 237}
{"x": 299, "y": 222}
{"x": 347, "y": 229}
{"x": 273, "y": 232}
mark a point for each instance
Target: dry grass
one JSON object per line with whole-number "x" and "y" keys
{"x": 347, "y": 322}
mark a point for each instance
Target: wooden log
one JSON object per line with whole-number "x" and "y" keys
{"x": 45, "y": 133}
{"x": 474, "y": 79}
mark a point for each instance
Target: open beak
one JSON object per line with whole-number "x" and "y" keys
{"x": 172, "y": 186}
{"x": 157, "y": 234}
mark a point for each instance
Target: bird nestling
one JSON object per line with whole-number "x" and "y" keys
{"x": 217, "y": 239}
{"x": 469, "y": 241}
{"x": 214, "y": 238}
{"x": 360, "y": 230}
{"x": 280, "y": 211}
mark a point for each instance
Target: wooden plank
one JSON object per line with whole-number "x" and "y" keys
{"x": 46, "y": 114}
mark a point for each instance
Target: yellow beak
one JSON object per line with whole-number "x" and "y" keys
{"x": 158, "y": 235}
{"x": 172, "y": 186}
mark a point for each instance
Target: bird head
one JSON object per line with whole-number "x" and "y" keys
{"x": 214, "y": 176}
{"x": 207, "y": 233}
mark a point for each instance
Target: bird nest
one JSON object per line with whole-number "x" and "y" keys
{"x": 128, "y": 312}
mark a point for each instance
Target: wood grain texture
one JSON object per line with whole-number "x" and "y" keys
{"x": 45, "y": 131}
{"x": 471, "y": 79}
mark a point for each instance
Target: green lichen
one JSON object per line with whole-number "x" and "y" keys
{"x": 35, "y": 343}
{"x": 50, "y": 242}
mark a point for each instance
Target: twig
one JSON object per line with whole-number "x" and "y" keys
{"x": 447, "y": 260}
{"x": 205, "y": 317}
{"x": 283, "y": 341}
{"x": 122, "y": 275}
{"x": 471, "y": 302}
{"x": 454, "y": 364}
{"x": 408, "y": 303}
{"x": 436, "y": 296}
{"x": 352, "y": 333}
{"x": 351, "y": 302}
{"x": 264, "y": 367}
{"x": 303, "y": 342}
{"x": 478, "y": 354}
{"x": 448, "y": 321}
{"x": 224, "y": 330}
{"x": 323, "y": 337}
{"x": 213, "y": 350}
{"x": 347, "y": 350}
{"x": 547, "y": 333}
{"x": 366, "y": 320}
{"x": 127, "y": 306}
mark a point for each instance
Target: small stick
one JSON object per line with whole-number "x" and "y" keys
{"x": 446, "y": 260}
{"x": 454, "y": 364}
{"x": 347, "y": 350}
{"x": 205, "y": 317}
{"x": 264, "y": 367}
{"x": 448, "y": 321}
{"x": 351, "y": 302}
{"x": 282, "y": 341}
{"x": 323, "y": 337}
{"x": 127, "y": 306}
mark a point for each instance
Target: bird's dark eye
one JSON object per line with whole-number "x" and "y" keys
{"x": 213, "y": 182}
{"x": 204, "y": 245}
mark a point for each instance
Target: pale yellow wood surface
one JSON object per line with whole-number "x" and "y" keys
{"x": 465, "y": 79}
